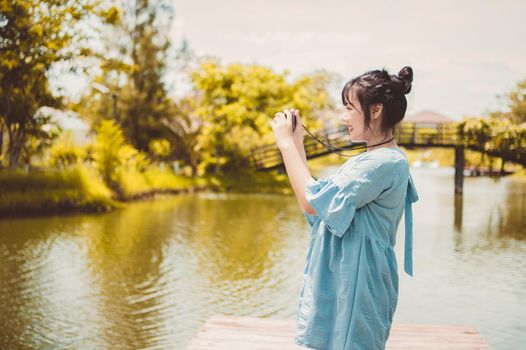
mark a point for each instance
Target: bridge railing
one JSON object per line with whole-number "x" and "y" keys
{"x": 440, "y": 135}
{"x": 408, "y": 135}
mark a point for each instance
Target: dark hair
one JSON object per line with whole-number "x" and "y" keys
{"x": 377, "y": 86}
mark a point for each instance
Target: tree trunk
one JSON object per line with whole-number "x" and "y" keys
{"x": 16, "y": 141}
{"x": 1, "y": 145}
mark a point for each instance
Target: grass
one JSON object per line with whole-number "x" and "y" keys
{"x": 136, "y": 184}
{"x": 80, "y": 189}
{"x": 247, "y": 181}
{"x": 75, "y": 189}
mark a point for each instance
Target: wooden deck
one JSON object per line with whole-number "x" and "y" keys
{"x": 240, "y": 333}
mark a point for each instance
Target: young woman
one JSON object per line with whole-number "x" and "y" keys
{"x": 350, "y": 288}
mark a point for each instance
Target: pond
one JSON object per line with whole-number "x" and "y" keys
{"x": 148, "y": 276}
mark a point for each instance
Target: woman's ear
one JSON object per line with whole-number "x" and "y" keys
{"x": 376, "y": 110}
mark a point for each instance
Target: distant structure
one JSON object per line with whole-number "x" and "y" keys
{"x": 428, "y": 122}
{"x": 427, "y": 119}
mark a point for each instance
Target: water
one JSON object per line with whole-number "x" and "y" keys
{"x": 148, "y": 276}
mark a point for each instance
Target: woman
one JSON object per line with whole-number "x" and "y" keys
{"x": 350, "y": 289}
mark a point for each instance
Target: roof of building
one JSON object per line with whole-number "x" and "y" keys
{"x": 428, "y": 116}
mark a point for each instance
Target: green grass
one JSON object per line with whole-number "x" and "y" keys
{"x": 79, "y": 188}
{"x": 135, "y": 184}
{"x": 75, "y": 189}
{"x": 246, "y": 181}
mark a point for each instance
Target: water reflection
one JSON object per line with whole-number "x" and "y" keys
{"x": 149, "y": 275}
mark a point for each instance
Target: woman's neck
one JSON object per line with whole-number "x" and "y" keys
{"x": 390, "y": 144}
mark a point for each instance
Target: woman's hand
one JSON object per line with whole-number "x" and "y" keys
{"x": 282, "y": 128}
{"x": 298, "y": 132}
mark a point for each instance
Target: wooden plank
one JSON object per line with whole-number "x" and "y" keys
{"x": 221, "y": 332}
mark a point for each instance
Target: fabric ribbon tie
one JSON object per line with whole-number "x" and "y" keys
{"x": 408, "y": 244}
{"x": 411, "y": 197}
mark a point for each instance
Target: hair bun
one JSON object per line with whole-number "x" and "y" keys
{"x": 406, "y": 77}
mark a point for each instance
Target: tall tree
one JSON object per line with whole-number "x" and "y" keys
{"x": 133, "y": 64}
{"x": 34, "y": 36}
{"x": 145, "y": 100}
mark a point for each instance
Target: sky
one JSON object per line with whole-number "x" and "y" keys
{"x": 463, "y": 53}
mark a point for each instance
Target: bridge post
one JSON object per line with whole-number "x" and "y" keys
{"x": 281, "y": 169}
{"x": 414, "y": 133}
{"x": 459, "y": 169}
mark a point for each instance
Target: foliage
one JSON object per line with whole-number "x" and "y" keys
{"x": 113, "y": 156}
{"x": 238, "y": 101}
{"x": 160, "y": 148}
{"x": 185, "y": 127}
{"x": 495, "y": 134}
{"x": 65, "y": 152}
{"x": 34, "y": 36}
{"x": 131, "y": 66}
{"x": 516, "y": 104}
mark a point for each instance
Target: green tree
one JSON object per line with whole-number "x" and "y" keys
{"x": 132, "y": 65}
{"x": 237, "y": 102}
{"x": 185, "y": 126}
{"x": 34, "y": 36}
{"x": 495, "y": 134}
{"x": 516, "y": 104}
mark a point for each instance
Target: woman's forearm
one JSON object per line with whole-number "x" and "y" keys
{"x": 298, "y": 172}
{"x": 301, "y": 150}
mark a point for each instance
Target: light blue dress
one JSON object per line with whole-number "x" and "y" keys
{"x": 350, "y": 287}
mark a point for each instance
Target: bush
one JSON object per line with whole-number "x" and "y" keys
{"x": 114, "y": 157}
{"x": 65, "y": 152}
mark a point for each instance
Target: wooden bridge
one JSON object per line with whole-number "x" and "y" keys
{"x": 268, "y": 157}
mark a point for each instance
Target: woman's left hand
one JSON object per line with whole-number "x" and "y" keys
{"x": 282, "y": 128}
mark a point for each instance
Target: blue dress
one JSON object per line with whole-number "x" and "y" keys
{"x": 350, "y": 287}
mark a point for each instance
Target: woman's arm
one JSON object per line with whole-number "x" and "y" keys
{"x": 297, "y": 136}
{"x": 301, "y": 150}
{"x": 293, "y": 158}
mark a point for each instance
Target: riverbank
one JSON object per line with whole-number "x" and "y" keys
{"x": 80, "y": 189}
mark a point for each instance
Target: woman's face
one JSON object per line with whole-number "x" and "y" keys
{"x": 354, "y": 117}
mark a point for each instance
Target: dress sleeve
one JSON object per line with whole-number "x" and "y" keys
{"x": 311, "y": 218}
{"x": 337, "y": 197}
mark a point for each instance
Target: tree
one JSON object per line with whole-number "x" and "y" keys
{"x": 34, "y": 36}
{"x": 185, "y": 126}
{"x": 516, "y": 103}
{"x": 132, "y": 66}
{"x": 237, "y": 102}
